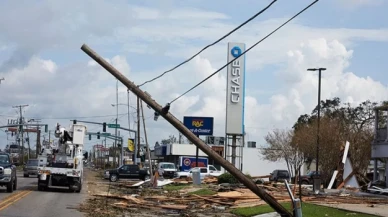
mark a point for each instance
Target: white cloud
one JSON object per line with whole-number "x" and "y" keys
{"x": 352, "y": 4}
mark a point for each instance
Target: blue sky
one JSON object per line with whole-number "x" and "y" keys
{"x": 278, "y": 86}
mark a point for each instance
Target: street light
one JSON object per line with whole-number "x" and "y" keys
{"x": 317, "y": 180}
{"x": 117, "y": 117}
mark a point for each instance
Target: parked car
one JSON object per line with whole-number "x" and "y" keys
{"x": 30, "y": 168}
{"x": 308, "y": 179}
{"x": 7, "y": 173}
{"x": 126, "y": 172}
{"x": 279, "y": 176}
{"x": 167, "y": 170}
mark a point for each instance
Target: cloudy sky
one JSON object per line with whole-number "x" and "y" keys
{"x": 43, "y": 66}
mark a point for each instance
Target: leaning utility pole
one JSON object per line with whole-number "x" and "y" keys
{"x": 21, "y": 128}
{"x": 28, "y": 145}
{"x": 37, "y": 138}
{"x": 164, "y": 112}
{"x": 138, "y": 130}
{"x": 146, "y": 140}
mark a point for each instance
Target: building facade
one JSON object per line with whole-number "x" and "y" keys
{"x": 252, "y": 161}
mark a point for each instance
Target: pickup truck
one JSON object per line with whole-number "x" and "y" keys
{"x": 279, "y": 176}
{"x": 210, "y": 170}
{"x": 126, "y": 172}
{"x": 308, "y": 179}
{"x": 166, "y": 169}
{"x": 31, "y": 168}
{"x": 7, "y": 172}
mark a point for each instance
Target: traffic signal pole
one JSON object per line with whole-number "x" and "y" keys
{"x": 164, "y": 111}
{"x": 115, "y": 137}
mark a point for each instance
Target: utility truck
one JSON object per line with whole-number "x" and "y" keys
{"x": 61, "y": 165}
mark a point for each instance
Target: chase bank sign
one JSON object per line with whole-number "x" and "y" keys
{"x": 235, "y": 75}
{"x": 235, "y": 89}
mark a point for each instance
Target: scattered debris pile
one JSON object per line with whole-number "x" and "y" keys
{"x": 142, "y": 199}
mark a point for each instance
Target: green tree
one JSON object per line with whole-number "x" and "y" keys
{"x": 339, "y": 123}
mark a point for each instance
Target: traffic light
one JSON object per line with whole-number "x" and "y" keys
{"x": 90, "y": 136}
{"x": 104, "y": 127}
{"x": 98, "y": 135}
{"x": 46, "y": 128}
{"x": 74, "y": 121}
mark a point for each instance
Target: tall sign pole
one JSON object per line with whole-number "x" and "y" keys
{"x": 235, "y": 99}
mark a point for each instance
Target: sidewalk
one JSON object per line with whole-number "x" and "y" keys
{"x": 379, "y": 210}
{"x": 272, "y": 214}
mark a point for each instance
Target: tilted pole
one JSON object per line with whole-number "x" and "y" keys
{"x": 186, "y": 132}
{"x": 138, "y": 130}
{"x": 146, "y": 140}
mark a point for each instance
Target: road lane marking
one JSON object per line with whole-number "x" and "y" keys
{"x": 13, "y": 199}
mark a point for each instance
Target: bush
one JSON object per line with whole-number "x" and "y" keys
{"x": 229, "y": 178}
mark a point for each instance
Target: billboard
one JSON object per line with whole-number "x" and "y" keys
{"x": 199, "y": 125}
{"x": 235, "y": 89}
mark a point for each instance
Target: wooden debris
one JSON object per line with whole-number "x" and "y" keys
{"x": 237, "y": 198}
{"x": 212, "y": 200}
{"x": 210, "y": 180}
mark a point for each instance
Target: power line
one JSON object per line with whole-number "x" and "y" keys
{"x": 203, "y": 49}
{"x": 254, "y": 45}
{"x": 97, "y": 116}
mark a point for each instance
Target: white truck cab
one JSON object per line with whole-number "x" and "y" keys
{"x": 167, "y": 169}
{"x": 210, "y": 170}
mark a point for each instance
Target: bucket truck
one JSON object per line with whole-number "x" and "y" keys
{"x": 61, "y": 165}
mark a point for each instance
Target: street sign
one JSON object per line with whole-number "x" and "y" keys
{"x": 105, "y": 134}
{"x": 113, "y": 125}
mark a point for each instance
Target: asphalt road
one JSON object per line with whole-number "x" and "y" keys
{"x": 27, "y": 201}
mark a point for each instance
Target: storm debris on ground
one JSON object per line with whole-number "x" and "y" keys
{"x": 180, "y": 197}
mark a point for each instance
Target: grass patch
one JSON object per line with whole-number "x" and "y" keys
{"x": 204, "y": 191}
{"x": 309, "y": 210}
{"x": 175, "y": 187}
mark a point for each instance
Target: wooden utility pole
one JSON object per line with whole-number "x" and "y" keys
{"x": 28, "y": 145}
{"x": 164, "y": 112}
{"x": 21, "y": 126}
{"x": 146, "y": 141}
{"x": 138, "y": 129}
{"x": 38, "y": 145}
{"x": 37, "y": 142}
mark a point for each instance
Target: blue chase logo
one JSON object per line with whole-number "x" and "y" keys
{"x": 236, "y": 52}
